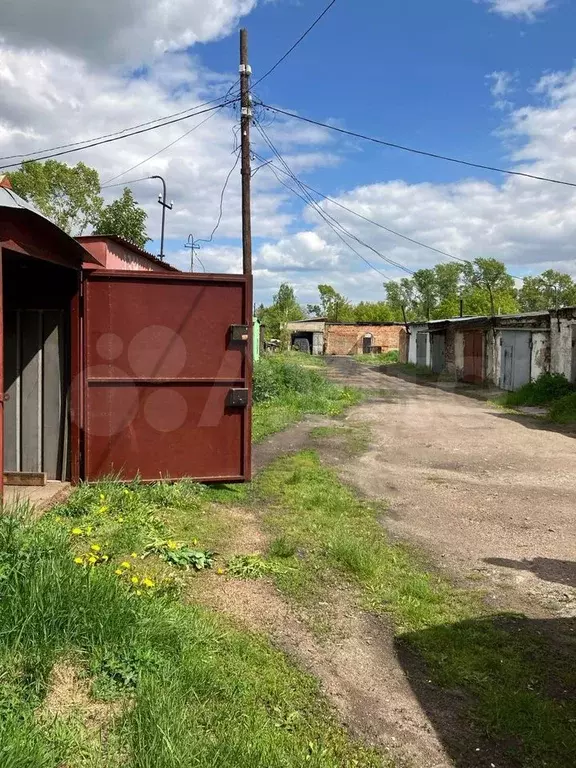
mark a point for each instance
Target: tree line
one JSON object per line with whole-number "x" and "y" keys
{"x": 71, "y": 197}
{"x": 481, "y": 287}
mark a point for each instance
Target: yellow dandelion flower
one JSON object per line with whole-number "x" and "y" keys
{"x": 147, "y": 582}
{"x": 92, "y": 560}
{"x": 78, "y": 560}
{"x": 135, "y": 580}
{"x": 220, "y": 571}
{"x": 77, "y": 531}
{"x": 103, "y": 509}
{"x": 126, "y": 491}
{"x": 120, "y": 519}
{"x": 95, "y": 547}
{"x": 195, "y": 541}
{"x": 118, "y": 571}
{"x": 134, "y": 555}
{"x": 102, "y": 497}
{"x": 125, "y": 564}
{"x": 172, "y": 544}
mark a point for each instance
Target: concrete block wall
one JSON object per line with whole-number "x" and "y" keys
{"x": 349, "y": 339}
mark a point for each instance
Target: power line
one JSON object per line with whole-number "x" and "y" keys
{"x": 155, "y": 154}
{"x": 125, "y": 183}
{"x": 418, "y": 151}
{"x": 114, "y": 133}
{"x": 123, "y": 136}
{"x": 296, "y": 44}
{"x": 308, "y": 200}
{"x": 221, "y": 213}
{"x": 325, "y": 214}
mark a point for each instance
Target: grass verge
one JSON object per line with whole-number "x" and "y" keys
{"x": 285, "y": 390}
{"x": 163, "y": 684}
{"x": 521, "y": 687}
{"x": 382, "y": 358}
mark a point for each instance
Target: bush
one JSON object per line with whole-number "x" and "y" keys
{"x": 563, "y": 411}
{"x": 546, "y": 389}
{"x": 274, "y": 377}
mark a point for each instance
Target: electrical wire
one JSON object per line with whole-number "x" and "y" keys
{"x": 325, "y": 214}
{"x": 124, "y": 135}
{"x": 125, "y": 183}
{"x": 308, "y": 200}
{"x": 425, "y": 153}
{"x": 296, "y": 44}
{"x": 221, "y": 213}
{"x": 155, "y": 154}
{"x": 114, "y": 133}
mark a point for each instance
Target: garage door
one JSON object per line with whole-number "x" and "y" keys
{"x": 515, "y": 359}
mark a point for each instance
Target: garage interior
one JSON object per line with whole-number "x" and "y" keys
{"x": 37, "y": 296}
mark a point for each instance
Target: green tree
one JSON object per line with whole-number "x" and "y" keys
{"x": 549, "y": 290}
{"x": 488, "y": 284}
{"x": 284, "y": 309}
{"x": 401, "y": 298}
{"x": 68, "y": 195}
{"x": 373, "y": 312}
{"x": 333, "y": 306}
{"x": 124, "y": 218}
{"x": 427, "y": 292}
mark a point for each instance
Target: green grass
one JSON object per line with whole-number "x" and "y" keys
{"x": 505, "y": 664}
{"x": 285, "y": 391}
{"x": 354, "y": 440}
{"x": 547, "y": 388}
{"x": 382, "y": 358}
{"x": 563, "y": 410}
{"x": 189, "y": 689}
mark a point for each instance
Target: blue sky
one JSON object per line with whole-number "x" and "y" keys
{"x": 492, "y": 81}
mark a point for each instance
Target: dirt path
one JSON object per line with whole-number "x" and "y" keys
{"x": 483, "y": 492}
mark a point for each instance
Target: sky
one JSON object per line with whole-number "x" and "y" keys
{"x": 490, "y": 81}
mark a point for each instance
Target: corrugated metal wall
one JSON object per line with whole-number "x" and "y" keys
{"x": 35, "y": 423}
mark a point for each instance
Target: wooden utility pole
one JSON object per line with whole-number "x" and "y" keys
{"x": 245, "y": 120}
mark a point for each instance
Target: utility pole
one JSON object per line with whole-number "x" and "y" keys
{"x": 193, "y": 245}
{"x": 245, "y": 120}
{"x": 164, "y": 204}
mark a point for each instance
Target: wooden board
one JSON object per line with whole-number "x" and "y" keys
{"x": 24, "y": 478}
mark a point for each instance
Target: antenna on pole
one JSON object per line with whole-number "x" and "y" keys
{"x": 193, "y": 245}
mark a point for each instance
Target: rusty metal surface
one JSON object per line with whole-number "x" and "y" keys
{"x": 158, "y": 367}
{"x": 473, "y": 357}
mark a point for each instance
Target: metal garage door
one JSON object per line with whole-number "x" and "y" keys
{"x": 515, "y": 359}
{"x": 167, "y": 384}
{"x": 421, "y": 348}
{"x": 438, "y": 351}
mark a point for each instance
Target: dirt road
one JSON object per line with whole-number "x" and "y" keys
{"x": 487, "y": 494}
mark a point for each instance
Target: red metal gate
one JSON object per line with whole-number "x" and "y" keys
{"x": 473, "y": 357}
{"x": 167, "y": 376}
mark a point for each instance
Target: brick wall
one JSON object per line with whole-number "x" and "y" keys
{"x": 348, "y": 339}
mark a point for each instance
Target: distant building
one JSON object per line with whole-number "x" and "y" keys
{"x": 319, "y": 336}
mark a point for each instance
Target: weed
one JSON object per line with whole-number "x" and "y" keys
{"x": 563, "y": 411}
{"x": 547, "y": 388}
{"x": 282, "y": 548}
{"x": 284, "y": 391}
{"x": 251, "y": 566}
{"x": 181, "y": 555}
{"x": 381, "y": 358}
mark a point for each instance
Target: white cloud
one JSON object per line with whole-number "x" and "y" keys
{"x": 118, "y": 31}
{"x": 501, "y": 84}
{"x": 527, "y": 9}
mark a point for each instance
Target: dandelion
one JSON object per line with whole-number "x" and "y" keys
{"x": 147, "y": 582}
{"x": 92, "y": 560}
{"x": 102, "y": 497}
{"x": 103, "y": 509}
{"x": 77, "y": 531}
{"x": 135, "y": 580}
{"x": 125, "y": 564}
{"x": 172, "y": 544}
{"x": 120, "y": 519}
{"x": 118, "y": 571}
{"x": 79, "y": 561}
{"x": 220, "y": 571}
{"x": 134, "y": 555}
{"x": 95, "y": 547}
{"x": 195, "y": 541}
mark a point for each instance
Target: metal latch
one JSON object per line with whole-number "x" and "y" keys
{"x": 239, "y": 333}
{"x": 237, "y": 398}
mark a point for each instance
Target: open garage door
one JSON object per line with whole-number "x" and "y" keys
{"x": 167, "y": 376}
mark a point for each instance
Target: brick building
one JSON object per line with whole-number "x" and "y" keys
{"x": 359, "y": 338}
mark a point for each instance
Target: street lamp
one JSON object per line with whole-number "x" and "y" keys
{"x": 164, "y": 204}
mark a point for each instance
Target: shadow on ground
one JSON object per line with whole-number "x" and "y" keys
{"x": 512, "y": 676}
{"x": 547, "y": 569}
